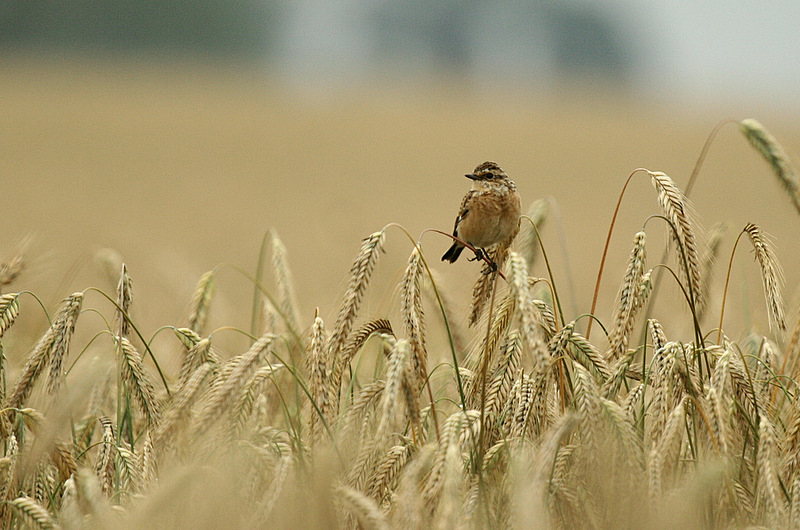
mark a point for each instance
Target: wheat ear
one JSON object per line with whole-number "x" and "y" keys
{"x": 10, "y": 270}
{"x": 526, "y": 242}
{"x": 9, "y": 309}
{"x": 707, "y": 260}
{"x": 628, "y": 297}
{"x": 414, "y": 318}
{"x": 106, "y": 453}
{"x": 776, "y": 157}
{"x": 201, "y": 301}
{"x": 530, "y": 329}
{"x": 482, "y": 290}
{"x": 230, "y": 382}
{"x": 771, "y": 276}
{"x": 319, "y": 372}
{"x": 137, "y": 381}
{"x": 124, "y": 298}
{"x": 283, "y": 281}
{"x": 34, "y": 514}
{"x": 368, "y": 513}
{"x": 677, "y": 209}
{"x": 768, "y": 481}
{"x": 197, "y": 355}
{"x": 52, "y": 348}
{"x": 180, "y": 407}
{"x": 360, "y": 274}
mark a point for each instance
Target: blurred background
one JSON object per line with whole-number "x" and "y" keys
{"x": 177, "y": 133}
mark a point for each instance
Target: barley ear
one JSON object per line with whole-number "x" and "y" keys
{"x": 526, "y": 242}
{"x": 283, "y": 281}
{"x": 51, "y": 348}
{"x": 482, "y": 291}
{"x": 137, "y": 381}
{"x": 11, "y": 269}
{"x": 106, "y": 457}
{"x": 360, "y": 274}
{"x": 368, "y": 513}
{"x": 530, "y": 330}
{"x": 771, "y": 276}
{"x": 34, "y": 514}
{"x": 678, "y": 210}
{"x": 768, "y": 481}
{"x": 776, "y": 157}
{"x": 628, "y": 298}
{"x": 319, "y": 372}
{"x": 233, "y": 377}
{"x": 201, "y": 301}
{"x": 414, "y": 318}
{"x": 9, "y": 309}
{"x": 124, "y": 296}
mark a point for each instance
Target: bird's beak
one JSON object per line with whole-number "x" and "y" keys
{"x": 472, "y": 176}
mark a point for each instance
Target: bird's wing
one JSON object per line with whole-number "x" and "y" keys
{"x": 462, "y": 212}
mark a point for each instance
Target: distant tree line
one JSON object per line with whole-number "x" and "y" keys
{"x": 227, "y": 27}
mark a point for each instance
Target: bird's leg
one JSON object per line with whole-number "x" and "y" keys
{"x": 483, "y": 255}
{"x": 479, "y": 255}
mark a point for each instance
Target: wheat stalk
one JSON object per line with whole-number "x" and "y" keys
{"x": 360, "y": 274}
{"x": 526, "y": 242}
{"x": 587, "y": 404}
{"x": 414, "y": 318}
{"x": 136, "y": 380}
{"x": 526, "y": 311}
{"x": 708, "y": 259}
{"x": 582, "y": 351}
{"x": 628, "y": 297}
{"x": 52, "y": 348}
{"x": 9, "y": 309}
{"x": 776, "y": 157}
{"x": 499, "y": 328}
{"x": 319, "y": 372}
{"x": 10, "y": 270}
{"x": 771, "y": 276}
{"x": 128, "y": 468}
{"x": 34, "y": 514}
{"x": 197, "y": 355}
{"x": 396, "y": 380}
{"x": 502, "y": 378}
{"x": 388, "y": 470}
{"x": 364, "y": 507}
{"x": 8, "y": 466}
{"x": 283, "y": 281}
{"x": 179, "y": 407}
{"x": 666, "y": 448}
{"x": 201, "y": 301}
{"x": 368, "y": 397}
{"x": 124, "y": 297}
{"x": 768, "y": 481}
{"x": 677, "y": 209}
{"x": 246, "y": 400}
{"x": 230, "y": 382}
{"x": 105, "y": 464}
{"x": 484, "y": 285}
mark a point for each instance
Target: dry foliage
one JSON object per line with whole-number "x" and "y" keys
{"x": 532, "y": 425}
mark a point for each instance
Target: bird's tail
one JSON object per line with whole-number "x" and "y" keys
{"x": 453, "y": 253}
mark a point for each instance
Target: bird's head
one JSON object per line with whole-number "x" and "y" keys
{"x": 487, "y": 172}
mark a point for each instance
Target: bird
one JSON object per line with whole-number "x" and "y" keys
{"x": 489, "y": 213}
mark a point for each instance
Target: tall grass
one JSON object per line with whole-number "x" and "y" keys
{"x": 662, "y": 421}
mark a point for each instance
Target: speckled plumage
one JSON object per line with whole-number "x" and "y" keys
{"x": 489, "y": 214}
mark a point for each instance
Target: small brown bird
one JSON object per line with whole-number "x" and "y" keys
{"x": 489, "y": 213}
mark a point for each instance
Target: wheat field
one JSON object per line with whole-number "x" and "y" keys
{"x": 425, "y": 397}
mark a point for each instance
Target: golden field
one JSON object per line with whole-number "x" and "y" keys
{"x": 182, "y": 168}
